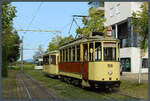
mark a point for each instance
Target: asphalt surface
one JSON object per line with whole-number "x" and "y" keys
{"x": 134, "y": 77}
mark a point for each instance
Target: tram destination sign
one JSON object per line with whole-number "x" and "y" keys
{"x": 109, "y": 44}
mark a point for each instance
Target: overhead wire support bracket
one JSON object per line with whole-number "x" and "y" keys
{"x": 79, "y": 16}
{"x": 39, "y": 30}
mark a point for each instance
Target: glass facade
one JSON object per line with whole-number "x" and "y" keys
{"x": 128, "y": 38}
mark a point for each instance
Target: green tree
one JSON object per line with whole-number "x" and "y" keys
{"x": 93, "y": 23}
{"x": 140, "y": 22}
{"x": 10, "y": 38}
{"x": 58, "y": 41}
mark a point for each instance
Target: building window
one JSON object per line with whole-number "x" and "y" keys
{"x": 114, "y": 31}
{"x": 111, "y": 12}
{"x": 126, "y": 64}
{"x": 117, "y": 8}
{"x": 144, "y": 63}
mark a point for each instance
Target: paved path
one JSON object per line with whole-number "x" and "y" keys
{"x": 134, "y": 76}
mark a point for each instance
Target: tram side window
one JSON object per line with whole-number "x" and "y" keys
{"x": 63, "y": 55}
{"x": 78, "y": 53}
{"x": 57, "y": 59}
{"x": 60, "y": 55}
{"x": 69, "y": 54}
{"x": 97, "y": 51}
{"x": 91, "y": 52}
{"x": 46, "y": 60}
{"x": 73, "y": 53}
{"x": 85, "y": 52}
{"x": 66, "y": 55}
{"x": 53, "y": 59}
{"x": 109, "y": 54}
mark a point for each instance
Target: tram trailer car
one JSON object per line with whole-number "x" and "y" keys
{"x": 92, "y": 61}
{"x": 39, "y": 64}
{"x": 50, "y": 63}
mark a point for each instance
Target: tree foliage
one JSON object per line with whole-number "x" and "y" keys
{"x": 58, "y": 41}
{"x": 140, "y": 22}
{"x": 93, "y": 23}
{"x": 10, "y": 38}
{"x": 39, "y": 53}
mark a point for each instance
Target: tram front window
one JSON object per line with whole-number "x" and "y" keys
{"x": 39, "y": 63}
{"x": 109, "y": 54}
{"x": 97, "y": 51}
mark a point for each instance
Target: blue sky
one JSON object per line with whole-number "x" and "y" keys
{"x": 51, "y": 16}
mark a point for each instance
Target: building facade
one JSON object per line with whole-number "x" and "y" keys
{"x": 119, "y": 16}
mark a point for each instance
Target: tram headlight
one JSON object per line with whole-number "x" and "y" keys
{"x": 110, "y": 72}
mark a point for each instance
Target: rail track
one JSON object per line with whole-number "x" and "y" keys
{"x": 32, "y": 89}
{"x": 120, "y": 92}
{"x": 107, "y": 94}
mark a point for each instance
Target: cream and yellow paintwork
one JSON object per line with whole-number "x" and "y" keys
{"x": 52, "y": 69}
{"x": 99, "y": 70}
{"x": 96, "y": 70}
{"x": 71, "y": 74}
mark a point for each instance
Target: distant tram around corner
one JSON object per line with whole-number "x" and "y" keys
{"x": 39, "y": 63}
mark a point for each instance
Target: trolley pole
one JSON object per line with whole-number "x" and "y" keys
{"x": 22, "y": 53}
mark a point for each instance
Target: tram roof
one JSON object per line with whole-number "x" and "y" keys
{"x": 88, "y": 38}
{"x": 51, "y": 52}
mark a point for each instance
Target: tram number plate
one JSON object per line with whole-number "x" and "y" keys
{"x": 110, "y": 65}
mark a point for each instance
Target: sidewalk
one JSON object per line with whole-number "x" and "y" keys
{"x": 134, "y": 77}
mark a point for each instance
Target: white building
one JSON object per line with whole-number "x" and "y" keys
{"x": 118, "y": 16}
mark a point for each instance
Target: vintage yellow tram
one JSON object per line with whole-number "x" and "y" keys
{"x": 50, "y": 63}
{"x": 92, "y": 60}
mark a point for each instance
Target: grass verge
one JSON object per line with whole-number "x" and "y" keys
{"x": 9, "y": 86}
{"x": 68, "y": 91}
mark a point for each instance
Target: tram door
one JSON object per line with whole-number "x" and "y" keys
{"x": 85, "y": 61}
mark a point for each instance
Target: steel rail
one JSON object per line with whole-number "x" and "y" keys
{"x": 133, "y": 97}
{"x": 39, "y": 85}
{"x": 26, "y": 88}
